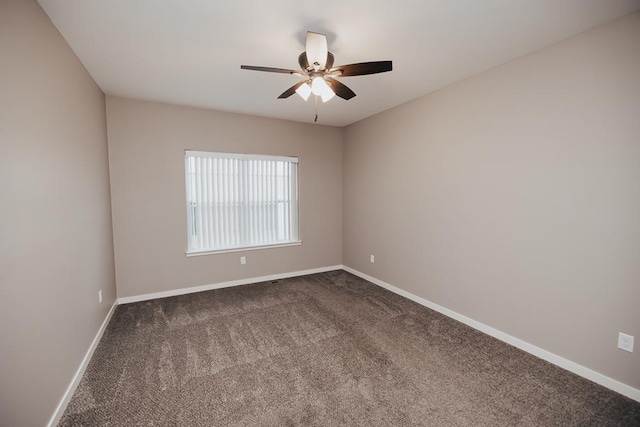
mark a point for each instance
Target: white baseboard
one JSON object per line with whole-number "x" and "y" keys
{"x": 193, "y": 289}
{"x": 57, "y": 414}
{"x": 587, "y": 373}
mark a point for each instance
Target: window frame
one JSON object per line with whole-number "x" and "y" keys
{"x": 294, "y": 198}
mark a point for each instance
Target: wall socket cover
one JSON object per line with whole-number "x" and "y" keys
{"x": 243, "y": 260}
{"x": 372, "y": 258}
{"x": 625, "y": 342}
{"x": 100, "y": 296}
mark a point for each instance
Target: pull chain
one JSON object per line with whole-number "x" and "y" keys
{"x": 316, "y": 100}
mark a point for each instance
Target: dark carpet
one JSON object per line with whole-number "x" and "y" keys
{"x": 327, "y": 349}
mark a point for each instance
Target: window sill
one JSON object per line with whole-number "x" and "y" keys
{"x": 244, "y": 249}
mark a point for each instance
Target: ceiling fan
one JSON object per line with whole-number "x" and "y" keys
{"x": 319, "y": 74}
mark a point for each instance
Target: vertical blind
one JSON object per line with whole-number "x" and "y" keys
{"x": 240, "y": 200}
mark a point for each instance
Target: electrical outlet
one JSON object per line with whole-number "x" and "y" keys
{"x": 100, "y": 296}
{"x": 372, "y": 258}
{"x": 243, "y": 260}
{"x": 625, "y": 342}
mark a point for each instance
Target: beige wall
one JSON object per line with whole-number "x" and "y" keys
{"x": 56, "y": 247}
{"x": 513, "y": 197}
{"x": 146, "y": 148}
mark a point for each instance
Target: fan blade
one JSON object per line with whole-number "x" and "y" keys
{"x": 340, "y": 89}
{"x": 363, "y": 68}
{"x": 269, "y": 69}
{"x": 316, "y": 48}
{"x": 302, "y": 60}
{"x": 330, "y": 59}
{"x": 287, "y": 93}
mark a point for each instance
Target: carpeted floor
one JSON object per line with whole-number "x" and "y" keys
{"x": 327, "y": 349}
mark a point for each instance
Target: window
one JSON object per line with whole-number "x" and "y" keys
{"x": 239, "y": 201}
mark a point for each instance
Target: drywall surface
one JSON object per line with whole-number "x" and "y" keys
{"x": 146, "y": 148}
{"x": 56, "y": 247}
{"x": 513, "y": 197}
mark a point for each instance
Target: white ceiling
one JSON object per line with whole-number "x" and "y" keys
{"x": 189, "y": 52}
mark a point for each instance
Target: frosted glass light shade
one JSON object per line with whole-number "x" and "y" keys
{"x": 304, "y": 91}
{"x": 318, "y": 85}
{"x": 320, "y": 88}
{"x": 328, "y": 95}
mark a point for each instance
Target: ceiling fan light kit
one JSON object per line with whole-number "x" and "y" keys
{"x": 319, "y": 87}
{"x": 320, "y": 76}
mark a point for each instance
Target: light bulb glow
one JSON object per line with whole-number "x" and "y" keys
{"x": 319, "y": 87}
{"x": 304, "y": 91}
